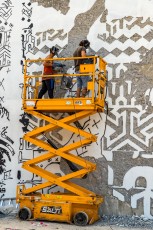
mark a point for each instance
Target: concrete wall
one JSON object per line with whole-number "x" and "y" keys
{"x": 122, "y": 32}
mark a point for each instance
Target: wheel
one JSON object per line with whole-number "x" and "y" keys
{"x": 24, "y": 213}
{"x": 80, "y": 219}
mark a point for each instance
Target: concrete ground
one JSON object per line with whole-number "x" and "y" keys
{"x": 8, "y": 223}
{"x": 13, "y": 223}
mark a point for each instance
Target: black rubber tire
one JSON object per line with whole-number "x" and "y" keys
{"x": 24, "y": 213}
{"x": 80, "y": 219}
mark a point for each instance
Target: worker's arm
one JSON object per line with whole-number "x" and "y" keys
{"x": 83, "y": 53}
{"x": 47, "y": 62}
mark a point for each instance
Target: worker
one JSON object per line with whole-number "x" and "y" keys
{"x": 81, "y": 80}
{"x": 48, "y": 82}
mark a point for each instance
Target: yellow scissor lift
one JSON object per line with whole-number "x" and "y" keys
{"x": 76, "y": 205}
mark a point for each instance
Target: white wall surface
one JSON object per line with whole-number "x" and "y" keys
{"x": 14, "y": 151}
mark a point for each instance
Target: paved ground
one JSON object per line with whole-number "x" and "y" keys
{"x": 8, "y": 223}
{"x": 13, "y": 223}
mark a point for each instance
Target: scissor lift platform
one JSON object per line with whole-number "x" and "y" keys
{"x": 63, "y": 105}
{"x": 78, "y": 205}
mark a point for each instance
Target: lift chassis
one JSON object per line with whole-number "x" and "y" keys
{"x": 76, "y": 205}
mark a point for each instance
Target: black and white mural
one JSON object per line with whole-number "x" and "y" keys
{"x": 7, "y": 148}
{"x": 122, "y": 33}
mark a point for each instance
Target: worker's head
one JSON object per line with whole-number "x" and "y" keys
{"x": 54, "y": 50}
{"x": 84, "y": 43}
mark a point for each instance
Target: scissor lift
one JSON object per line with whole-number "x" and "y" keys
{"x": 76, "y": 205}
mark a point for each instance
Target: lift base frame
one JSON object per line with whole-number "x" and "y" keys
{"x": 60, "y": 207}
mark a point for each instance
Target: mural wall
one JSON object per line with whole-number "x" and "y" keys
{"x": 121, "y": 32}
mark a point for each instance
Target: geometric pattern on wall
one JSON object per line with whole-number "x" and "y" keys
{"x": 6, "y": 9}
{"x": 6, "y": 143}
{"x": 114, "y": 29}
{"x": 128, "y": 127}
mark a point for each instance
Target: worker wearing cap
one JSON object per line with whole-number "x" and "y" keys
{"x": 48, "y": 82}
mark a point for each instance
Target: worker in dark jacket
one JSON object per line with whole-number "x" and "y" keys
{"x": 81, "y": 80}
